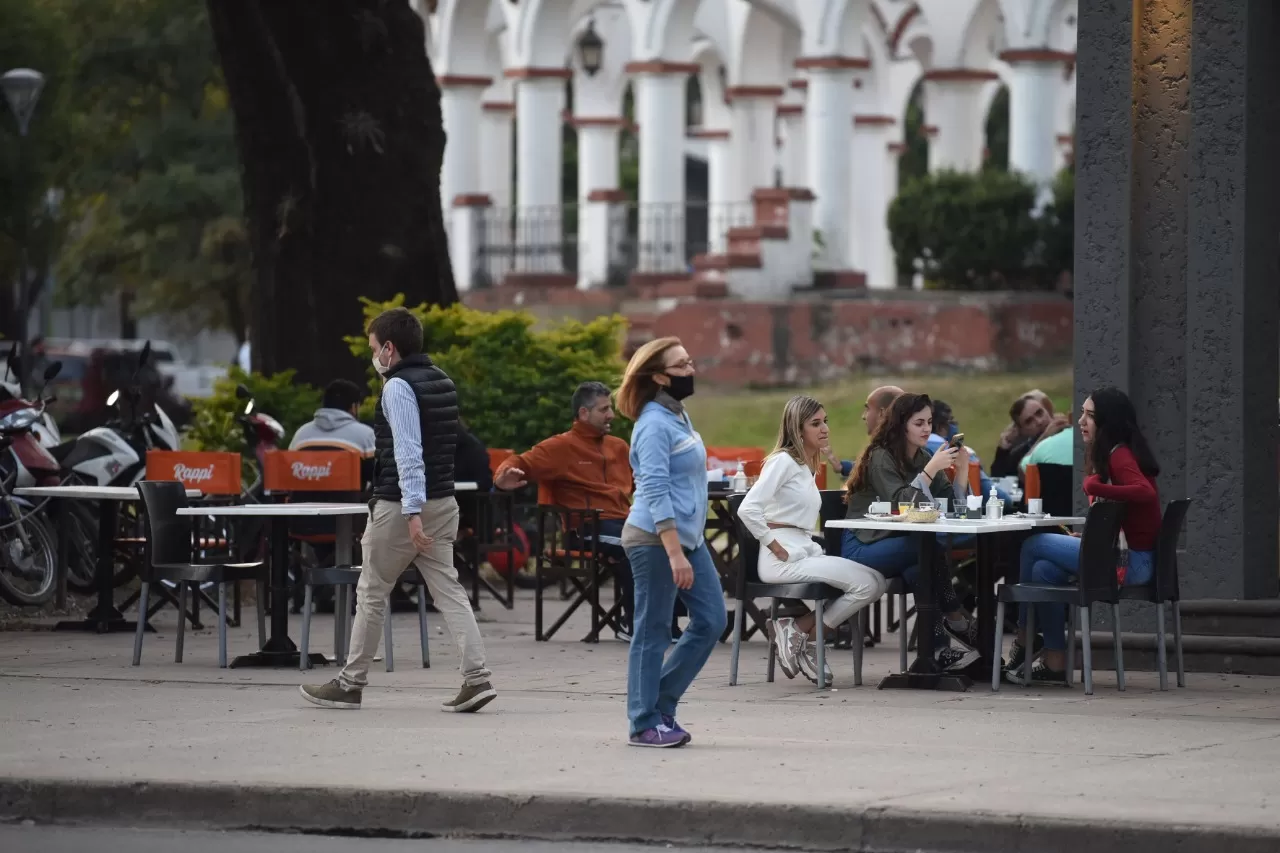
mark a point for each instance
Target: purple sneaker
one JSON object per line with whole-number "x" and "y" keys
{"x": 670, "y": 722}
{"x": 660, "y": 737}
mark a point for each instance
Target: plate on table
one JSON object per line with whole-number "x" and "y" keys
{"x": 871, "y": 517}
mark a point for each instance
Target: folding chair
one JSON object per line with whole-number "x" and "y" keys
{"x": 571, "y": 554}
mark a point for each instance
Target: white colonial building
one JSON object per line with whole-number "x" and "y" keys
{"x": 775, "y": 167}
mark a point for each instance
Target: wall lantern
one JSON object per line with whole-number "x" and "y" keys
{"x": 591, "y": 50}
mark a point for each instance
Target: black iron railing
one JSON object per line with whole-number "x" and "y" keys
{"x": 541, "y": 239}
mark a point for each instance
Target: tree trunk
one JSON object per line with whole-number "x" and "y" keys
{"x": 341, "y": 141}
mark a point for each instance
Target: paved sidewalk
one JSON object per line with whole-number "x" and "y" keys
{"x": 770, "y": 763}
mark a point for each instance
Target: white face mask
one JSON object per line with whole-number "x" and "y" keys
{"x": 379, "y": 366}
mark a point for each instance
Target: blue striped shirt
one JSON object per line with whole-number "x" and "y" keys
{"x": 400, "y": 406}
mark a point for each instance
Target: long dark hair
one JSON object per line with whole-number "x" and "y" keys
{"x": 1115, "y": 422}
{"x": 890, "y": 435}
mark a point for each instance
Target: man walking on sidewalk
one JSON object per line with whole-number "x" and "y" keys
{"x": 413, "y": 516}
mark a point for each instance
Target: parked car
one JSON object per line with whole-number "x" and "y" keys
{"x": 92, "y": 369}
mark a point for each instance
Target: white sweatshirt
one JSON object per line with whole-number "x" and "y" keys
{"x": 786, "y": 494}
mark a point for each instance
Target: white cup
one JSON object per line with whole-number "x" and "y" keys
{"x": 880, "y": 508}
{"x": 1035, "y": 506}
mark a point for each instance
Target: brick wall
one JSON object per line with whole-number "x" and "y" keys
{"x": 813, "y": 337}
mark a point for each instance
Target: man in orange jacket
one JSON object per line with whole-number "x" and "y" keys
{"x": 586, "y": 468}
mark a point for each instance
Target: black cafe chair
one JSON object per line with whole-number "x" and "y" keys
{"x": 1164, "y": 587}
{"x": 169, "y": 548}
{"x": 1095, "y": 584}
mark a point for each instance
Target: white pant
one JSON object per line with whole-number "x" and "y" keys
{"x": 808, "y": 563}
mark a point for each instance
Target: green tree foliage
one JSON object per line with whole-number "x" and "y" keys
{"x": 996, "y": 155}
{"x": 970, "y": 231}
{"x": 214, "y": 425}
{"x": 156, "y": 197}
{"x": 514, "y": 381}
{"x": 1058, "y": 225}
{"x": 33, "y": 34}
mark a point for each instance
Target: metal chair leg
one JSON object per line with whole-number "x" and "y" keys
{"x": 1086, "y": 648}
{"x": 995, "y": 653}
{"x": 422, "y": 627}
{"x": 304, "y": 653}
{"x": 182, "y": 620}
{"x": 902, "y": 633}
{"x": 1119, "y": 650}
{"x": 822, "y": 644}
{"x": 142, "y": 623}
{"x": 1177, "y": 642}
{"x": 773, "y": 647}
{"x": 1162, "y": 662}
{"x": 1029, "y": 658}
{"x": 1071, "y": 643}
{"x": 859, "y": 637}
{"x": 222, "y": 626}
{"x": 262, "y": 614}
{"x": 738, "y": 607}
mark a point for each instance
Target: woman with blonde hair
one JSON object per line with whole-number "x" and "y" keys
{"x": 780, "y": 511}
{"x": 663, "y": 538}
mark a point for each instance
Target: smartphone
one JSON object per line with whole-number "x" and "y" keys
{"x": 957, "y": 440}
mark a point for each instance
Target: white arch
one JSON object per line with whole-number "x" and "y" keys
{"x": 715, "y": 108}
{"x": 833, "y": 27}
{"x": 600, "y": 96}
{"x": 541, "y": 30}
{"x": 461, "y": 35}
{"x": 663, "y": 30}
{"x": 758, "y": 45}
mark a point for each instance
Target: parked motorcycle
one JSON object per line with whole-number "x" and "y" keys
{"x": 45, "y": 429}
{"x": 28, "y": 544}
{"x": 113, "y": 455}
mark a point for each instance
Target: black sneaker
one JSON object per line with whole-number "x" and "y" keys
{"x": 954, "y": 660}
{"x": 1040, "y": 674}
{"x": 1018, "y": 653}
{"x": 471, "y": 698}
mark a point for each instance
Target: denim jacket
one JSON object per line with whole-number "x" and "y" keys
{"x": 669, "y": 462}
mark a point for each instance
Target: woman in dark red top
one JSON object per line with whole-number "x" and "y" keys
{"x": 1119, "y": 466}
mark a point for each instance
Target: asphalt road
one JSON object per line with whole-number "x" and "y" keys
{"x": 60, "y": 839}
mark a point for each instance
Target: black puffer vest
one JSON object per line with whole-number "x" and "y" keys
{"x": 438, "y": 415}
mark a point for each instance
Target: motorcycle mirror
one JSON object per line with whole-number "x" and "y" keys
{"x": 146, "y": 354}
{"x": 51, "y": 372}
{"x": 114, "y": 398}
{"x": 248, "y": 407}
{"x": 243, "y": 392}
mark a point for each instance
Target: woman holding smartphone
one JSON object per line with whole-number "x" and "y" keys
{"x": 663, "y": 538}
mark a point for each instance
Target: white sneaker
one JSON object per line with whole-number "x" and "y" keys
{"x": 808, "y": 660}
{"x": 789, "y": 643}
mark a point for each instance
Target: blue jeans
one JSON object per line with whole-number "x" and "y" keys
{"x": 654, "y": 688}
{"x": 1054, "y": 558}
{"x": 899, "y": 556}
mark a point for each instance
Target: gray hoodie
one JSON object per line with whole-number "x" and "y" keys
{"x": 334, "y": 428}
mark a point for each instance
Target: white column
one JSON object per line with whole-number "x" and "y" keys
{"x": 472, "y": 256}
{"x": 660, "y": 111}
{"x": 869, "y": 196}
{"x": 720, "y": 201}
{"x": 460, "y": 103}
{"x": 597, "y": 155}
{"x": 953, "y": 104}
{"x": 540, "y": 99}
{"x": 495, "y": 153}
{"x": 795, "y": 170}
{"x": 829, "y": 115}
{"x": 888, "y": 276}
{"x": 755, "y": 141}
{"x": 1033, "y": 118}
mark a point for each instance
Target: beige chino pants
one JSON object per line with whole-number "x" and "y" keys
{"x": 387, "y": 552}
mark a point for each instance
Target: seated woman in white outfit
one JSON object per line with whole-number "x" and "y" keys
{"x": 781, "y": 511}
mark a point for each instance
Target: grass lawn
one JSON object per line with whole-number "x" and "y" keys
{"x": 981, "y": 404}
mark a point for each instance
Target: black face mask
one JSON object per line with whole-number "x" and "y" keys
{"x": 680, "y": 387}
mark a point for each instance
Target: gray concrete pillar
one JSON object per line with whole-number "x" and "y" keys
{"x": 1177, "y": 229}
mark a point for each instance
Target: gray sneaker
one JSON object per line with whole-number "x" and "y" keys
{"x": 331, "y": 695}
{"x": 808, "y": 661}
{"x": 789, "y": 643}
{"x": 471, "y": 698}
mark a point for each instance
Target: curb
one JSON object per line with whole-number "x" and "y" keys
{"x": 392, "y": 813}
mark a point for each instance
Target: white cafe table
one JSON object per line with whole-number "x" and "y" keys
{"x": 104, "y": 618}
{"x": 924, "y": 674}
{"x": 279, "y": 650}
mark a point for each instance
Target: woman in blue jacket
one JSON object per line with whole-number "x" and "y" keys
{"x": 663, "y": 538}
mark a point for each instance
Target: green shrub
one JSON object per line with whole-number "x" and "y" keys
{"x": 214, "y": 426}
{"x": 971, "y": 231}
{"x": 514, "y": 383}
